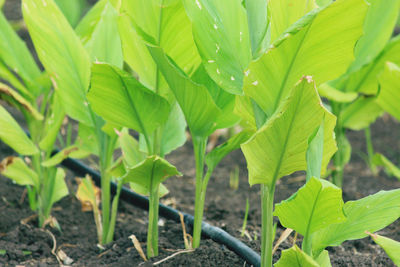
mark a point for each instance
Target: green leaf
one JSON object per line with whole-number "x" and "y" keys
{"x": 130, "y": 149}
{"x": 314, "y": 206}
{"x": 258, "y": 21}
{"x": 120, "y": 99}
{"x": 72, "y": 9}
{"x": 389, "y": 94}
{"x": 16, "y": 169}
{"x": 391, "y": 247}
{"x": 60, "y": 188}
{"x": 322, "y": 3}
{"x": 286, "y": 12}
{"x": 371, "y": 213}
{"x": 378, "y": 28}
{"x": 328, "y": 91}
{"x": 87, "y": 139}
{"x": 89, "y": 22}
{"x": 389, "y": 167}
{"x": 221, "y": 33}
{"x": 69, "y": 152}
{"x": 312, "y": 46}
{"x": 104, "y": 44}
{"x": 295, "y": 257}
{"x": 366, "y": 79}
{"x": 140, "y": 189}
{"x": 15, "y": 54}
{"x": 19, "y": 100}
{"x": 279, "y": 147}
{"x": 12, "y": 134}
{"x": 62, "y": 55}
{"x": 199, "y": 108}
{"x": 150, "y": 172}
{"x": 160, "y": 20}
{"x": 323, "y": 259}
{"x": 244, "y": 109}
{"x": 361, "y": 113}
{"x": 217, "y": 154}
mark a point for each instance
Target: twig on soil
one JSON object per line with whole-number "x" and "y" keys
{"x": 53, "y": 250}
{"x": 138, "y": 247}
{"x": 187, "y": 244}
{"x": 28, "y": 219}
{"x": 282, "y": 238}
{"x": 173, "y": 255}
{"x": 21, "y": 200}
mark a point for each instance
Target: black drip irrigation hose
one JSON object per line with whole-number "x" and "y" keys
{"x": 209, "y": 231}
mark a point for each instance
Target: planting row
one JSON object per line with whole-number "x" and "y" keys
{"x": 157, "y": 68}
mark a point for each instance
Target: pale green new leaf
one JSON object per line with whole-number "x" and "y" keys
{"x": 295, "y": 257}
{"x": 150, "y": 172}
{"x": 258, "y": 21}
{"x": 12, "y": 134}
{"x": 221, "y": 33}
{"x": 328, "y": 91}
{"x": 217, "y": 154}
{"x": 389, "y": 167}
{"x": 160, "y": 19}
{"x": 60, "y": 188}
{"x": 371, "y": 214}
{"x": 89, "y": 22}
{"x": 286, "y": 12}
{"x": 120, "y": 99}
{"x": 391, "y": 247}
{"x": 314, "y": 206}
{"x": 104, "y": 44}
{"x": 279, "y": 147}
{"x": 199, "y": 108}
{"x": 361, "y": 113}
{"x": 16, "y": 169}
{"x": 312, "y": 46}
{"x": 130, "y": 149}
{"x": 72, "y": 151}
{"x": 62, "y": 55}
{"x": 244, "y": 109}
{"x": 389, "y": 94}
{"x": 15, "y": 54}
{"x": 378, "y": 28}
{"x": 323, "y": 259}
{"x": 366, "y": 79}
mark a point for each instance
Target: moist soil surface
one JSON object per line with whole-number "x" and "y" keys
{"x": 22, "y": 243}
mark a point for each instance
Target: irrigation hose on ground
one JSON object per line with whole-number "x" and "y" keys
{"x": 209, "y": 231}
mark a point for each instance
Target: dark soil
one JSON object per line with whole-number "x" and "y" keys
{"x": 26, "y": 245}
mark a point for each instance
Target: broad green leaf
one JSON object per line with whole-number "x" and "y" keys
{"x": 244, "y": 109}
{"x": 8, "y": 76}
{"x": 217, "y": 154}
{"x": 87, "y": 139}
{"x": 199, "y": 108}
{"x": 89, "y": 22}
{"x": 69, "y": 152}
{"x": 323, "y": 259}
{"x": 160, "y": 19}
{"x": 52, "y": 125}
{"x": 120, "y": 99}
{"x": 286, "y": 12}
{"x": 361, "y": 113}
{"x": 366, "y": 79}
{"x": 12, "y": 134}
{"x": 60, "y": 188}
{"x": 150, "y": 172}
{"x": 16, "y": 169}
{"x": 295, "y": 257}
{"x": 104, "y": 44}
{"x": 314, "y": 206}
{"x": 312, "y": 46}
{"x": 378, "y": 29}
{"x": 130, "y": 149}
{"x": 221, "y": 33}
{"x": 391, "y": 247}
{"x": 389, "y": 167}
{"x": 371, "y": 213}
{"x": 72, "y": 9}
{"x": 389, "y": 94}
{"x": 19, "y": 100}
{"x": 140, "y": 189}
{"x": 62, "y": 55}
{"x": 258, "y": 21}
{"x": 322, "y": 3}
{"x": 279, "y": 147}
{"x": 15, "y": 54}
{"x": 328, "y": 91}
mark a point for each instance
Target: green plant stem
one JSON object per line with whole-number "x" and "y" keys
{"x": 246, "y": 214}
{"x": 337, "y": 174}
{"x": 306, "y": 244}
{"x": 370, "y": 150}
{"x": 267, "y": 228}
{"x": 114, "y": 211}
{"x": 199, "y": 147}
{"x": 152, "y": 231}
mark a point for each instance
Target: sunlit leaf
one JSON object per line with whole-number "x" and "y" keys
{"x": 16, "y": 169}
{"x": 391, "y": 247}
{"x": 389, "y": 167}
{"x": 60, "y": 188}
{"x": 69, "y": 152}
{"x": 361, "y": 113}
{"x": 389, "y": 94}
{"x": 258, "y": 21}
{"x": 295, "y": 257}
{"x": 72, "y": 9}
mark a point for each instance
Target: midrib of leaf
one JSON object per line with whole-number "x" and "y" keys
{"x": 277, "y": 100}
{"x": 275, "y": 176}
{"x": 312, "y": 212}
{"x": 141, "y": 125}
